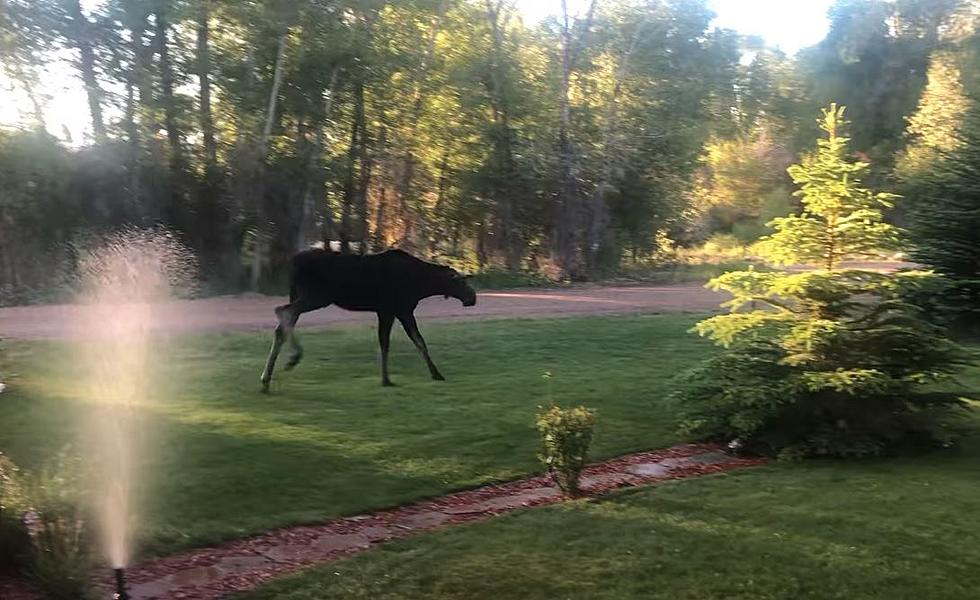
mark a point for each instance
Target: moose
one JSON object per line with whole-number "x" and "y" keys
{"x": 389, "y": 283}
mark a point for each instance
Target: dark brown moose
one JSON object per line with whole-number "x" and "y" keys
{"x": 390, "y": 283}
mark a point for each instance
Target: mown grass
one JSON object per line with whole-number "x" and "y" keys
{"x": 330, "y": 441}
{"x": 889, "y": 529}
{"x": 883, "y": 529}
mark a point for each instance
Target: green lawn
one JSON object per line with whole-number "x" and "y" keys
{"x": 884, "y": 529}
{"x": 330, "y": 441}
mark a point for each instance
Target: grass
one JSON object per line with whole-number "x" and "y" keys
{"x": 883, "y": 529}
{"x": 330, "y": 441}
{"x": 684, "y": 272}
{"x": 900, "y": 528}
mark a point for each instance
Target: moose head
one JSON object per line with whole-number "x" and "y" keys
{"x": 454, "y": 284}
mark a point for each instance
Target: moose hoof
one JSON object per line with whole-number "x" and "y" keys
{"x": 265, "y": 387}
{"x": 292, "y": 363}
{"x": 387, "y": 383}
{"x": 438, "y": 377}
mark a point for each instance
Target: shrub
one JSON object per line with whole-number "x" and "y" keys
{"x": 14, "y": 543}
{"x": 851, "y": 383}
{"x": 59, "y": 561}
{"x": 829, "y": 362}
{"x": 565, "y": 438}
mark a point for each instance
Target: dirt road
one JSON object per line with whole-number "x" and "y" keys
{"x": 248, "y": 313}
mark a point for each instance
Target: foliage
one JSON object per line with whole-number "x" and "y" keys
{"x": 13, "y": 536}
{"x": 252, "y": 129}
{"x": 946, "y": 217}
{"x": 742, "y": 179}
{"x": 932, "y": 129}
{"x": 840, "y": 218}
{"x": 826, "y": 362}
{"x": 874, "y": 60}
{"x": 60, "y": 562}
{"x": 430, "y": 126}
{"x": 566, "y": 434}
{"x": 951, "y": 302}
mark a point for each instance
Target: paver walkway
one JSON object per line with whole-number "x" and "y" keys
{"x": 211, "y": 573}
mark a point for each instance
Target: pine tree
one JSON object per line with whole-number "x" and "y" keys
{"x": 830, "y": 361}
{"x": 840, "y": 218}
{"x": 932, "y": 130}
{"x": 945, "y": 219}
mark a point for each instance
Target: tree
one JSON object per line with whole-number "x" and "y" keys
{"x": 932, "y": 130}
{"x": 874, "y": 60}
{"x": 568, "y": 221}
{"x": 828, "y": 362}
{"x": 447, "y": 127}
{"x": 840, "y": 219}
{"x": 743, "y": 183}
{"x": 203, "y": 61}
{"x": 79, "y": 31}
{"x": 945, "y": 219}
{"x": 21, "y": 43}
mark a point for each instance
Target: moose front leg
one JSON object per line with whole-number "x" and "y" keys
{"x": 412, "y": 329}
{"x": 270, "y": 363}
{"x": 385, "y": 321}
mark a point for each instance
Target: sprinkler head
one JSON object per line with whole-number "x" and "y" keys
{"x": 121, "y": 593}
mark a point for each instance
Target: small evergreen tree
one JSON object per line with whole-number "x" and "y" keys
{"x": 829, "y": 361}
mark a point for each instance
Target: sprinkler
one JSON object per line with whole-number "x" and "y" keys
{"x": 121, "y": 593}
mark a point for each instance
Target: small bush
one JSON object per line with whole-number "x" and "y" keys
{"x": 566, "y": 434}
{"x": 14, "y": 543}
{"x": 59, "y": 561}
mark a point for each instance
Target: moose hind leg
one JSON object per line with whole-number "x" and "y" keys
{"x": 289, "y": 318}
{"x": 412, "y": 329}
{"x": 270, "y": 363}
{"x": 385, "y": 321}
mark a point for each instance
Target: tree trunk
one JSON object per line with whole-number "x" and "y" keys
{"x": 440, "y": 206}
{"x": 313, "y": 166}
{"x": 133, "y": 140}
{"x": 367, "y": 166}
{"x": 142, "y": 59}
{"x": 162, "y": 25}
{"x": 508, "y": 241}
{"x": 204, "y": 78}
{"x": 378, "y": 237}
{"x": 261, "y": 226}
{"x": 599, "y": 213}
{"x": 404, "y": 188}
{"x": 353, "y": 153}
{"x": 270, "y": 115}
{"x": 567, "y": 223}
{"x": 82, "y": 30}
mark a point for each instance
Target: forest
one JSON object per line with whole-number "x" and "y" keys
{"x": 458, "y": 130}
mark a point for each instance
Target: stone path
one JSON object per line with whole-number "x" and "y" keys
{"x": 211, "y": 573}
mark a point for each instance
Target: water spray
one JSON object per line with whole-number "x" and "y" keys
{"x": 121, "y": 593}
{"x": 126, "y": 281}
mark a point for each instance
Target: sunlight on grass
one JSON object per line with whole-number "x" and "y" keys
{"x": 330, "y": 441}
